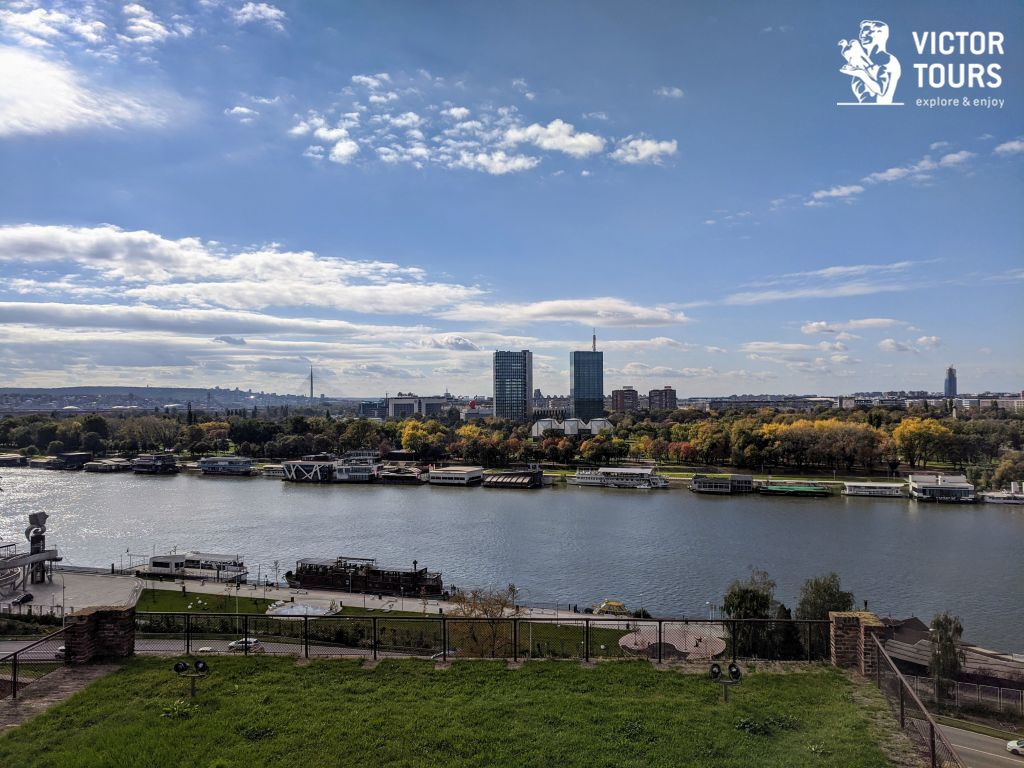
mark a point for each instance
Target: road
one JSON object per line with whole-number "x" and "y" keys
{"x": 978, "y": 751}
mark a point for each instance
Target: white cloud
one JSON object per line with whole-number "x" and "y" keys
{"x": 891, "y": 345}
{"x": 935, "y": 146}
{"x": 716, "y": 350}
{"x": 645, "y": 371}
{"x": 669, "y": 92}
{"x": 450, "y": 341}
{"x": 853, "y": 288}
{"x": 822, "y": 326}
{"x": 604, "y": 311}
{"x": 343, "y": 151}
{"x": 144, "y": 28}
{"x": 955, "y": 158}
{"x": 635, "y": 151}
{"x": 261, "y": 13}
{"x": 496, "y": 163}
{"x": 848, "y": 190}
{"x": 929, "y": 342}
{"x": 42, "y": 96}
{"x": 603, "y": 116}
{"x": 557, "y": 135}
{"x": 1014, "y": 147}
{"x": 244, "y": 114}
{"x": 456, "y": 113}
{"x": 372, "y": 82}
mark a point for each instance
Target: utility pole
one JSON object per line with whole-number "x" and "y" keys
{"x": 311, "y": 386}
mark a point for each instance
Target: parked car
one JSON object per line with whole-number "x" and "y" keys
{"x": 1015, "y": 747}
{"x": 25, "y": 597}
{"x": 246, "y": 643}
{"x": 60, "y": 653}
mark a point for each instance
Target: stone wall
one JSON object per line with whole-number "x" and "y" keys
{"x": 103, "y": 632}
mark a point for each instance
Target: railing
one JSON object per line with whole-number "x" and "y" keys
{"x": 991, "y": 698}
{"x": 583, "y": 638}
{"x": 915, "y": 720}
{"x": 30, "y": 609}
{"x": 31, "y": 663}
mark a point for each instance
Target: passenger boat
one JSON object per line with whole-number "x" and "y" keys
{"x": 226, "y": 465}
{"x": 888, "y": 490}
{"x": 1012, "y": 496}
{"x": 360, "y": 574}
{"x": 642, "y": 478}
{"x": 273, "y": 470}
{"x": 155, "y": 464}
{"x": 722, "y": 484}
{"x": 794, "y": 489}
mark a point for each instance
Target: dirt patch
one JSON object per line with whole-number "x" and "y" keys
{"x": 57, "y": 686}
{"x": 884, "y": 725}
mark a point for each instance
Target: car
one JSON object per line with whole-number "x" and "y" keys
{"x": 440, "y": 655}
{"x": 60, "y": 653}
{"x": 1015, "y": 747}
{"x": 250, "y": 644}
{"x": 24, "y": 597}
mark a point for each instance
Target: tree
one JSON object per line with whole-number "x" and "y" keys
{"x": 1010, "y": 469}
{"x": 947, "y": 657}
{"x": 820, "y": 595}
{"x": 483, "y": 638}
{"x": 751, "y": 599}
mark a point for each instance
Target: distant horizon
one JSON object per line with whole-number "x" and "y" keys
{"x": 391, "y": 193}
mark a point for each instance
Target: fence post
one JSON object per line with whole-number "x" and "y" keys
{"x": 931, "y": 741}
{"x": 808, "y": 627}
{"x": 188, "y": 634}
{"x": 661, "y": 635}
{"x": 515, "y": 640}
{"x": 444, "y": 638}
{"x": 14, "y": 677}
{"x": 903, "y": 709}
{"x": 878, "y": 666}
{"x": 732, "y": 634}
{"x": 586, "y": 640}
{"x": 305, "y": 635}
{"x": 245, "y": 633}
{"x": 374, "y": 620}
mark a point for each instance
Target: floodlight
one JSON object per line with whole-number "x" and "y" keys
{"x": 181, "y": 667}
{"x": 716, "y": 671}
{"x": 202, "y": 667}
{"x": 734, "y": 672}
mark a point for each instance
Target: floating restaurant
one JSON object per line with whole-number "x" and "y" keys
{"x": 361, "y": 574}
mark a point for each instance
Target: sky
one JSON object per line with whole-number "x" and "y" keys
{"x": 222, "y": 192}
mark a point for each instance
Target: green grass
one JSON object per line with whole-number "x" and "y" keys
{"x": 270, "y": 712}
{"x": 173, "y": 600}
{"x": 985, "y": 730}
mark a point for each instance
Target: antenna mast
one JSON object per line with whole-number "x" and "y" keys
{"x": 311, "y": 385}
{"x": 594, "y": 341}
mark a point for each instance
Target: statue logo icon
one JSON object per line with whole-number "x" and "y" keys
{"x": 873, "y": 71}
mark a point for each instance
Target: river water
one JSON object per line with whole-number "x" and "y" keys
{"x": 671, "y": 551}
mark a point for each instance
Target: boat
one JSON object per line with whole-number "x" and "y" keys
{"x": 353, "y": 467}
{"x": 531, "y": 477}
{"x": 722, "y": 484}
{"x": 226, "y": 465}
{"x": 1012, "y": 496}
{"x": 641, "y": 478}
{"x": 155, "y": 464}
{"x": 793, "y": 489}
{"x": 889, "y": 490}
{"x": 941, "y": 488}
{"x": 272, "y": 470}
{"x": 360, "y": 574}
{"x": 107, "y": 465}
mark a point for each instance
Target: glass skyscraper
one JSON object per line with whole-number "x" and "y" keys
{"x": 513, "y": 385}
{"x": 950, "y": 390}
{"x": 586, "y": 376}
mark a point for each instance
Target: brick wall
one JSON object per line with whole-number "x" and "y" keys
{"x": 850, "y": 633}
{"x": 102, "y": 632}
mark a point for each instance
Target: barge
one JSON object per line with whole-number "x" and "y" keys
{"x": 949, "y": 489}
{"x": 361, "y": 574}
{"x": 794, "y": 489}
{"x": 642, "y": 478}
{"x": 722, "y": 484}
{"x": 226, "y": 465}
{"x": 155, "y": 464}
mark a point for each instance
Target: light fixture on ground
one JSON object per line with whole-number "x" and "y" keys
{"x": 192, "y": 672}
{"x": 735, "y": 674}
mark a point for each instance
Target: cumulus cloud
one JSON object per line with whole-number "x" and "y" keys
{"x": 636, "y": 151}
{"x": 557, "y": 135}
{"x": 645, "y": 371}
{"x": 450, "y": 341}
{"x": 456, "y": 113}
{"x": 669, "y": 92}
{"x": 39, "y": 96}
{"x": 822, "y": 326}
{"x": 244, "y": 114}
{"x": 261, "y": 13}
{"x": 496, "y": 163}
{"x": 1014, "y": 147}
{"x": 837, "y": 192}
{"x": 144, "y": 28}
{"x": 891, "y": 345}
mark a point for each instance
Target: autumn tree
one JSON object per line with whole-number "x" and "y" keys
{"x": 490, "y": 634}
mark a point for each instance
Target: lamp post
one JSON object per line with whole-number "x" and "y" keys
{"x": 62, "y": 609}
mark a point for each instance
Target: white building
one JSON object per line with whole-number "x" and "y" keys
{"x": 401, "y": 407}
{"x": 932, "y": 487}
{"x": 456, "y": 475}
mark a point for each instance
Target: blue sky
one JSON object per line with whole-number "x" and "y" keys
{"x": 201, "y": 193}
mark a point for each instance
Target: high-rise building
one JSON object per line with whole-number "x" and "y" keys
{"x": 662, "y": 399}
{"x": 625, "y": 399}
{"x": 950, "y": 390}
{"x": 513, "y": 385}
{"x": 586, "y": 383}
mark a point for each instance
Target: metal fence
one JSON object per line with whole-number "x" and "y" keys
{"x": 30, "y": 663}
{"x": 915, "y": 720}
{"x": 990, "y": 698}
{"x": 583, "y": 638}
{"x": 28, "y": 609}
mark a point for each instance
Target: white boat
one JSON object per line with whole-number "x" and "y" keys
{"x": 226, "y": 465}
{"x": 1012, "y": 496}
{"x": 641, "y": 478}
{"x": 873, "y": 489}
{"x": 272, "y": 470}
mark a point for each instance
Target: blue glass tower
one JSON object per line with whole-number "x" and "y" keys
{"x": 586, "y": 377}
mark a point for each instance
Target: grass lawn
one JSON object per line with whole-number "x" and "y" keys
{"x": 172, "y": 600}
{"x": 271, "y": 712}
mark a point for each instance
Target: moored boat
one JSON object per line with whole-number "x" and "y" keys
{"x": 641, "y": 478}
{"x": 155, "y": 464}
{"x": 360, "y": 574}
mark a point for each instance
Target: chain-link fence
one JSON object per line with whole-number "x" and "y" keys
{"x": 915, "y": 720}
{"x": 970, "y": 696}
{"x": 515, "y": 638}
{"x": 30, "y": 663}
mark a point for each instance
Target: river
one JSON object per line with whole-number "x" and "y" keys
{"x": 672, "y": 551}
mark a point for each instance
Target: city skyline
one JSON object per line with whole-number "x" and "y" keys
{"x": 392, "y": 195}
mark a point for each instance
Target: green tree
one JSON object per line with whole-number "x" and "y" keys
{"x": 1010, "y": 469}
{"x": 750, "y": 599}
{"x": 820, "y": 595}
{"x": 947, "y": 657}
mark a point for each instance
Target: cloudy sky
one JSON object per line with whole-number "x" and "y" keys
{"x": 226, "y": 192}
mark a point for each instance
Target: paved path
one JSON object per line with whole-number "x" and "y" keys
{"x": 77, "y": 590}
{"x": 44, "y": 693}
{"x": 979, "y": 751}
